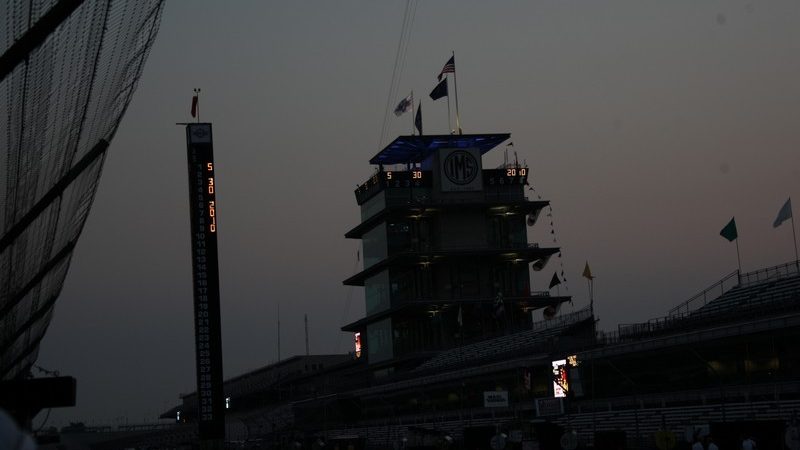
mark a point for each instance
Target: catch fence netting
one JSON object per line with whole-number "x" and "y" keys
{"x": 60, "y": 107}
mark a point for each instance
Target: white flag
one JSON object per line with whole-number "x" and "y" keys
{"x": 405, "y": 105}
{"x": 783, "y": 214}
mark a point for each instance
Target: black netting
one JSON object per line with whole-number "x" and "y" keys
{"x": 68, "y": 95}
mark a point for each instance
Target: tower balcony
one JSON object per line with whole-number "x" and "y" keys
{"x": 428, "y": 207}
{"x": 521, "y": 253}
{"x": 411, "y": 309}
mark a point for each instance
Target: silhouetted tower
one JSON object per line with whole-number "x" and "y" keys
{"x": 445, "y": 249}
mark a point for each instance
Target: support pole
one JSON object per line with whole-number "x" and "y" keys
{"x": 455, "y": 86}
{"x": 794, "y": 235}
{"x": 197, "y": 94}
{"x": 739, "y": 259}
{"x": 279, "y": 331}
{"x": 412, "y": 113}
{"x": 449, "y": 126}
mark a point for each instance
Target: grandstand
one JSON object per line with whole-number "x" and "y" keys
{"x": 726, "y": 364}
{"x": 759, "y": 293}
{"x": 540, "y": 338}
{"x": 447, "y": 354}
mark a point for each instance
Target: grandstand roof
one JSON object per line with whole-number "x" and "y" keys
{"x": 413, "y": 149}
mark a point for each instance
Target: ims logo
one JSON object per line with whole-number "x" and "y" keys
{"x": 460, "y": 167}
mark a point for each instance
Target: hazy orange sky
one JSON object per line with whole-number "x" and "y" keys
{"x": 647, "y": 124}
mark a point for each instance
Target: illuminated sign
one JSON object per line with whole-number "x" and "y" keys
{"x": 572, "y": 360}
{"x": 357, "y": 339}
{"x": 560, "y": 383}
{"x": 205, "y": 276}
{"x": 507, "y": 176}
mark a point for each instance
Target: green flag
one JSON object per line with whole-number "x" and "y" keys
{"x": 729, "y": 232}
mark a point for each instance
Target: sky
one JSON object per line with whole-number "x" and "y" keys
{"x": 648, "y": 125}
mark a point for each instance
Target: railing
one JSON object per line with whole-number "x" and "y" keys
{"x": 732, "y": 280}
{"x": 416, "y": 186}
{"x": 510, "y": 246}
{"x": 402, "y": 198}
{"x": 148, "y": 426}
{"x": 770, "y": 273}
{"x": 776, "y": 303}
{"x": 562, "y": 320}
{"x": 420, "y": 248}
{"x": 710, "y": 293}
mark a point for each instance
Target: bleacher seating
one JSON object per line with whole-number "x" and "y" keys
{"x": 527, "y": 340}
{"x": 775, "y": 294}
{"x": 767, "y": 293}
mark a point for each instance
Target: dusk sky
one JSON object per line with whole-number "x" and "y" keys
{"x": 648, "y": 125}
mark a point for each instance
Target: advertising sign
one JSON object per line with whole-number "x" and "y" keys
{"x": 560, "y": 381}
{"x": 549, "y": 407}
{"x": 495, "y": 399}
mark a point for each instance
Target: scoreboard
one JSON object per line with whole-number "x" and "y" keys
{"x": 205, "y": 275}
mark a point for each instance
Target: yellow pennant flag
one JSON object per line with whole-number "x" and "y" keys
{"x": 587, "y": 273}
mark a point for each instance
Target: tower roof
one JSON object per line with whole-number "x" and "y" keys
{"x": 413, "y": 149}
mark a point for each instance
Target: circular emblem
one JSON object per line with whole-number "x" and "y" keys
{"x": 199, "y": 132}
{"x": 460, "y": 167}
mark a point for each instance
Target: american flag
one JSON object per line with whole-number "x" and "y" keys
{"x": 449, "y": 67}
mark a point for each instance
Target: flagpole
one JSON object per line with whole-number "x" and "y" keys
{"x": 449, "y": 127}
{"x": 412, "y": 113}
{"x": 455, "y": 86}
{"x": 794, "y": 235}
{"x": 279, "y": 331}
{"x": 197, "y": 94}
{"x": 739, "y": 258}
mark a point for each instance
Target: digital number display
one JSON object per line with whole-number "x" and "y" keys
{"x": 507, "y": 176}
{"x": 393, "y": 179}
{"x": 406, "y": 178}
{"x": 212, "y": 204}
{"x": 205, "y": 275}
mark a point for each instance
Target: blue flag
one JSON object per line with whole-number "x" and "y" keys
{"x": 440, "y": 90}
